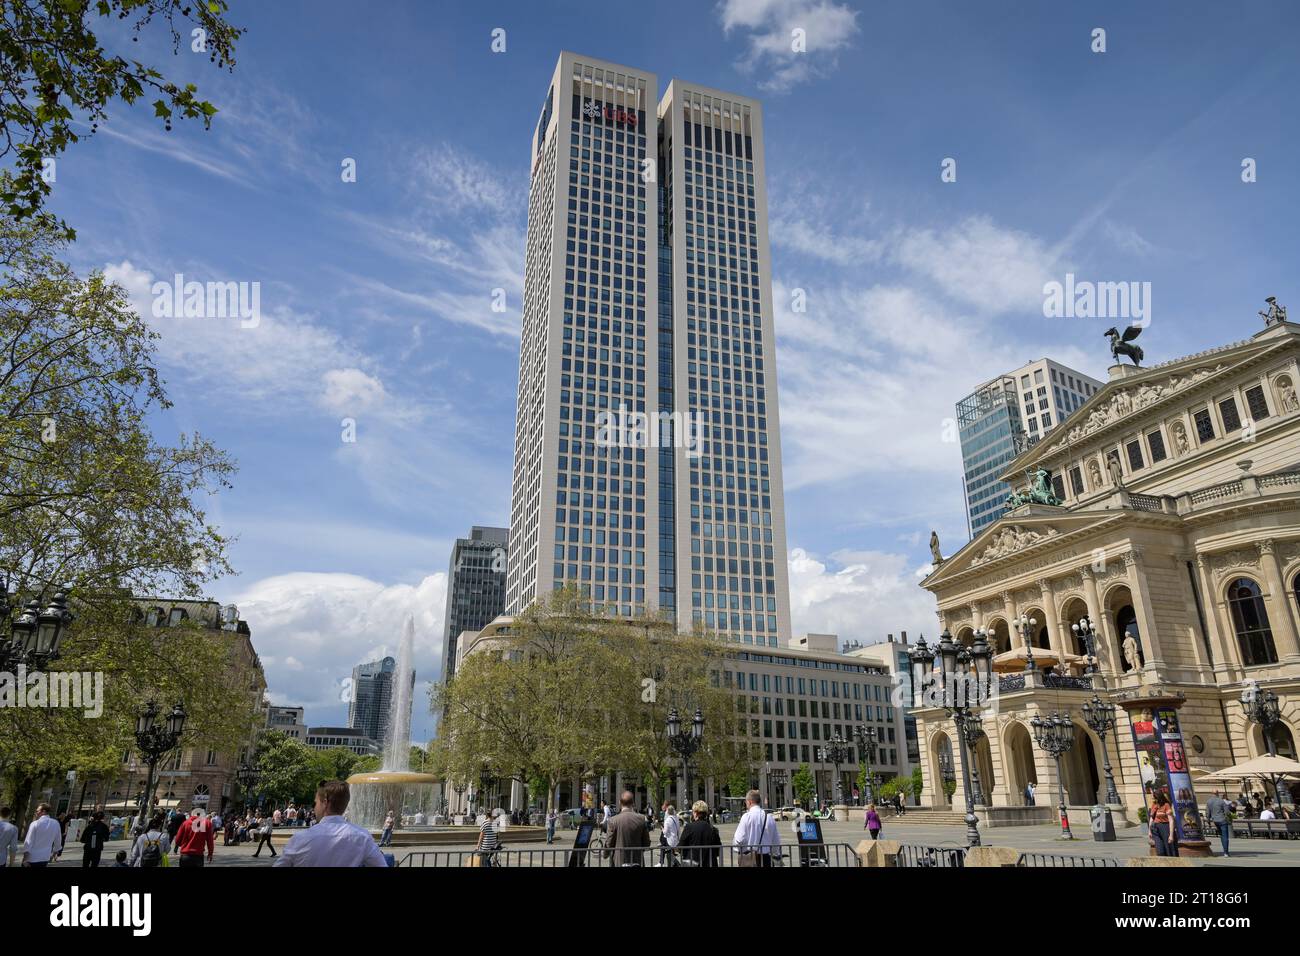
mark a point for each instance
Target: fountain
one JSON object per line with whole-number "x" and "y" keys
{"x": 395, "y": 787}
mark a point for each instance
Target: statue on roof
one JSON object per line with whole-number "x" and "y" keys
{"x": 1275, "y": 314}
{"x": 1123, "y": 344}
{"x": 1038, "y": 491}
{"x": 935, "y": 554}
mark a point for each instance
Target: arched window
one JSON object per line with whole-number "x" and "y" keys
{"x": 1250, "y": 621}
{"x": 1295, "y": 586}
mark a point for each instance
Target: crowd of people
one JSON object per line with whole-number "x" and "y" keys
{"x": 172, "y": 838}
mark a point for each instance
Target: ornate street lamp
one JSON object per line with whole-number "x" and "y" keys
{"x": 870, "y": 746}
{"x": 949, "y": 688}
{"x": 35, "y": 637}
{"x": 1100, "y": 716}
{"x": 154, "y": 741}
{"x": 1262, "y": 707}
{"x": 837, "y": 751}
{"x": 247, "y": 777}
{"x": 685, "y": 744}
{"x": 1084, "y": 630}
{"x": 1024, "y": 626}
{"x": 1055, "y": 734}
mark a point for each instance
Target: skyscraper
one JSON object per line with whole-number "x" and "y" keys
{"x": 647, "y": 291}
{"x": 372, "y": 691}
{"x": 1002, "y": 418}
{"x": 476, "y": 586}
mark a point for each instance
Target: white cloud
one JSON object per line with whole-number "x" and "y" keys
{"x": 858, "y": 595}
{"x": 827, "y": 27}
{"x": 310, "y": 629}
{"x": 348, "y": 390}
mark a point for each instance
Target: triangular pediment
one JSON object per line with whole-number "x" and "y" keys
{"x": 1151, "y": 391}
{"x": 1017, "y": 534}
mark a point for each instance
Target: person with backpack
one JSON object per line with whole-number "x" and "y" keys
{"x": 151, "y": 846}
{"x": 94, "y": 836}
{"x": 196, "y": 834}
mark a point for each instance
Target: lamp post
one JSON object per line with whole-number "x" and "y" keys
{"x": 1024, "y": 626}
{"x": 869, "y": 745}
{"x": 248, "y": 778}
{"x": 1084, "y": 630}
{"x": 685, "y": 744}
{"x": 838, "y": 751}
{"x": 1100, "y": 716}
{"x": 1055, "y": 734}
{"x": 459, "y": 787}
{"x": 153, "y": 741}
{"x": 950, "y": 688}
{"x": 35, "y": 636}
{"x": 1262, "y": 707}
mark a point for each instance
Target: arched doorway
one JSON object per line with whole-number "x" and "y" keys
{"x": 999, "y": 635}
{"x": 1040, "y": 638}
{"x": 1018, "y": 751}
{"x": 943, "y": 769}
{"x": 1075, "y": 610}
{"x": 1079, "y": 768}
{"x": 966, "y": 636}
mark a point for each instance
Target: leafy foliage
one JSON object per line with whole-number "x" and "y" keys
{"x": 90, "y": 501}
{"x": 55, "y": 74}
{"x": 801, "y": 782}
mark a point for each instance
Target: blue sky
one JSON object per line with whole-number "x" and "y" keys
{"x": 376, "y": 295}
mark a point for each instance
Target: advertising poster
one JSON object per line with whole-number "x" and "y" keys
{"x": 1187, "y": 816}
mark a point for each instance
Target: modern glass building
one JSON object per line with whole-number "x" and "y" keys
{"x": 372, "y": 690}
{"x": 476, "y": 587}
{"x": 647, "y": 292}
{"x": 1002, "y": 418}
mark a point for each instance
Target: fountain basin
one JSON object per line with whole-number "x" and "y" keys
{"x": 403, "y": 792}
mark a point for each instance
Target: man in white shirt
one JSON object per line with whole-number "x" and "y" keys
{"x": 44, "y": 839}
{"x": 757, "y": 830}
{"x": 8, "y": 837}
{"x": 332, "y": 841}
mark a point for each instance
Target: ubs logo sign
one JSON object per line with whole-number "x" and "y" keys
{"x": 610, "y": 114}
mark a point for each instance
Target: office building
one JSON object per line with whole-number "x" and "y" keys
{"x": 647, "y": 292}
{"x": 290, "y": 721}
{"x": 476, "y": 587}
{"x": 372, "y": 692}
{"x": 1003, "y": 417}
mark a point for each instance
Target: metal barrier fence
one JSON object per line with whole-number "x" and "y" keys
{"x": 1065, "y": 859}
{"x": 824, "y": 855}
{"x": 912, "y": 854}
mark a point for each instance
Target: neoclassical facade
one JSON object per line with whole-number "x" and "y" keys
{"x": 1180, "y": 526}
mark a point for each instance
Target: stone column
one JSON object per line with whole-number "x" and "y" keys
{"x": 1279, "y": 615}
{"x": 1142, "y": 608}
{"x": 1225, "y": 650}
{"x": 1107, "y": 652}
{"x": 1052, "y": 618}
{"x": 1013, "y": 614}
{"x": 976, "y": 615}
{"x": 1199, "y": 641}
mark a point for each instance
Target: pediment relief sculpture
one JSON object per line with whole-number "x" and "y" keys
{"x": 1130, "y": 400}
{"x": 1010, "y": 540}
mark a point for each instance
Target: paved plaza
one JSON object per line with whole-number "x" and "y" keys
{"x": 1037, "y": 839}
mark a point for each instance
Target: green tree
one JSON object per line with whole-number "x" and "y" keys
{"x": 918, "y": 782}
{"x": 534, "y": 704}
{"x": 288, "y": 769}
{"x": 54, "y": 74}
{"x": 91, "y": 501}
{"x": 801, "y": 782}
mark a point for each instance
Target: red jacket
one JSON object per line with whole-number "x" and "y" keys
{"x": 191, "y": 842}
